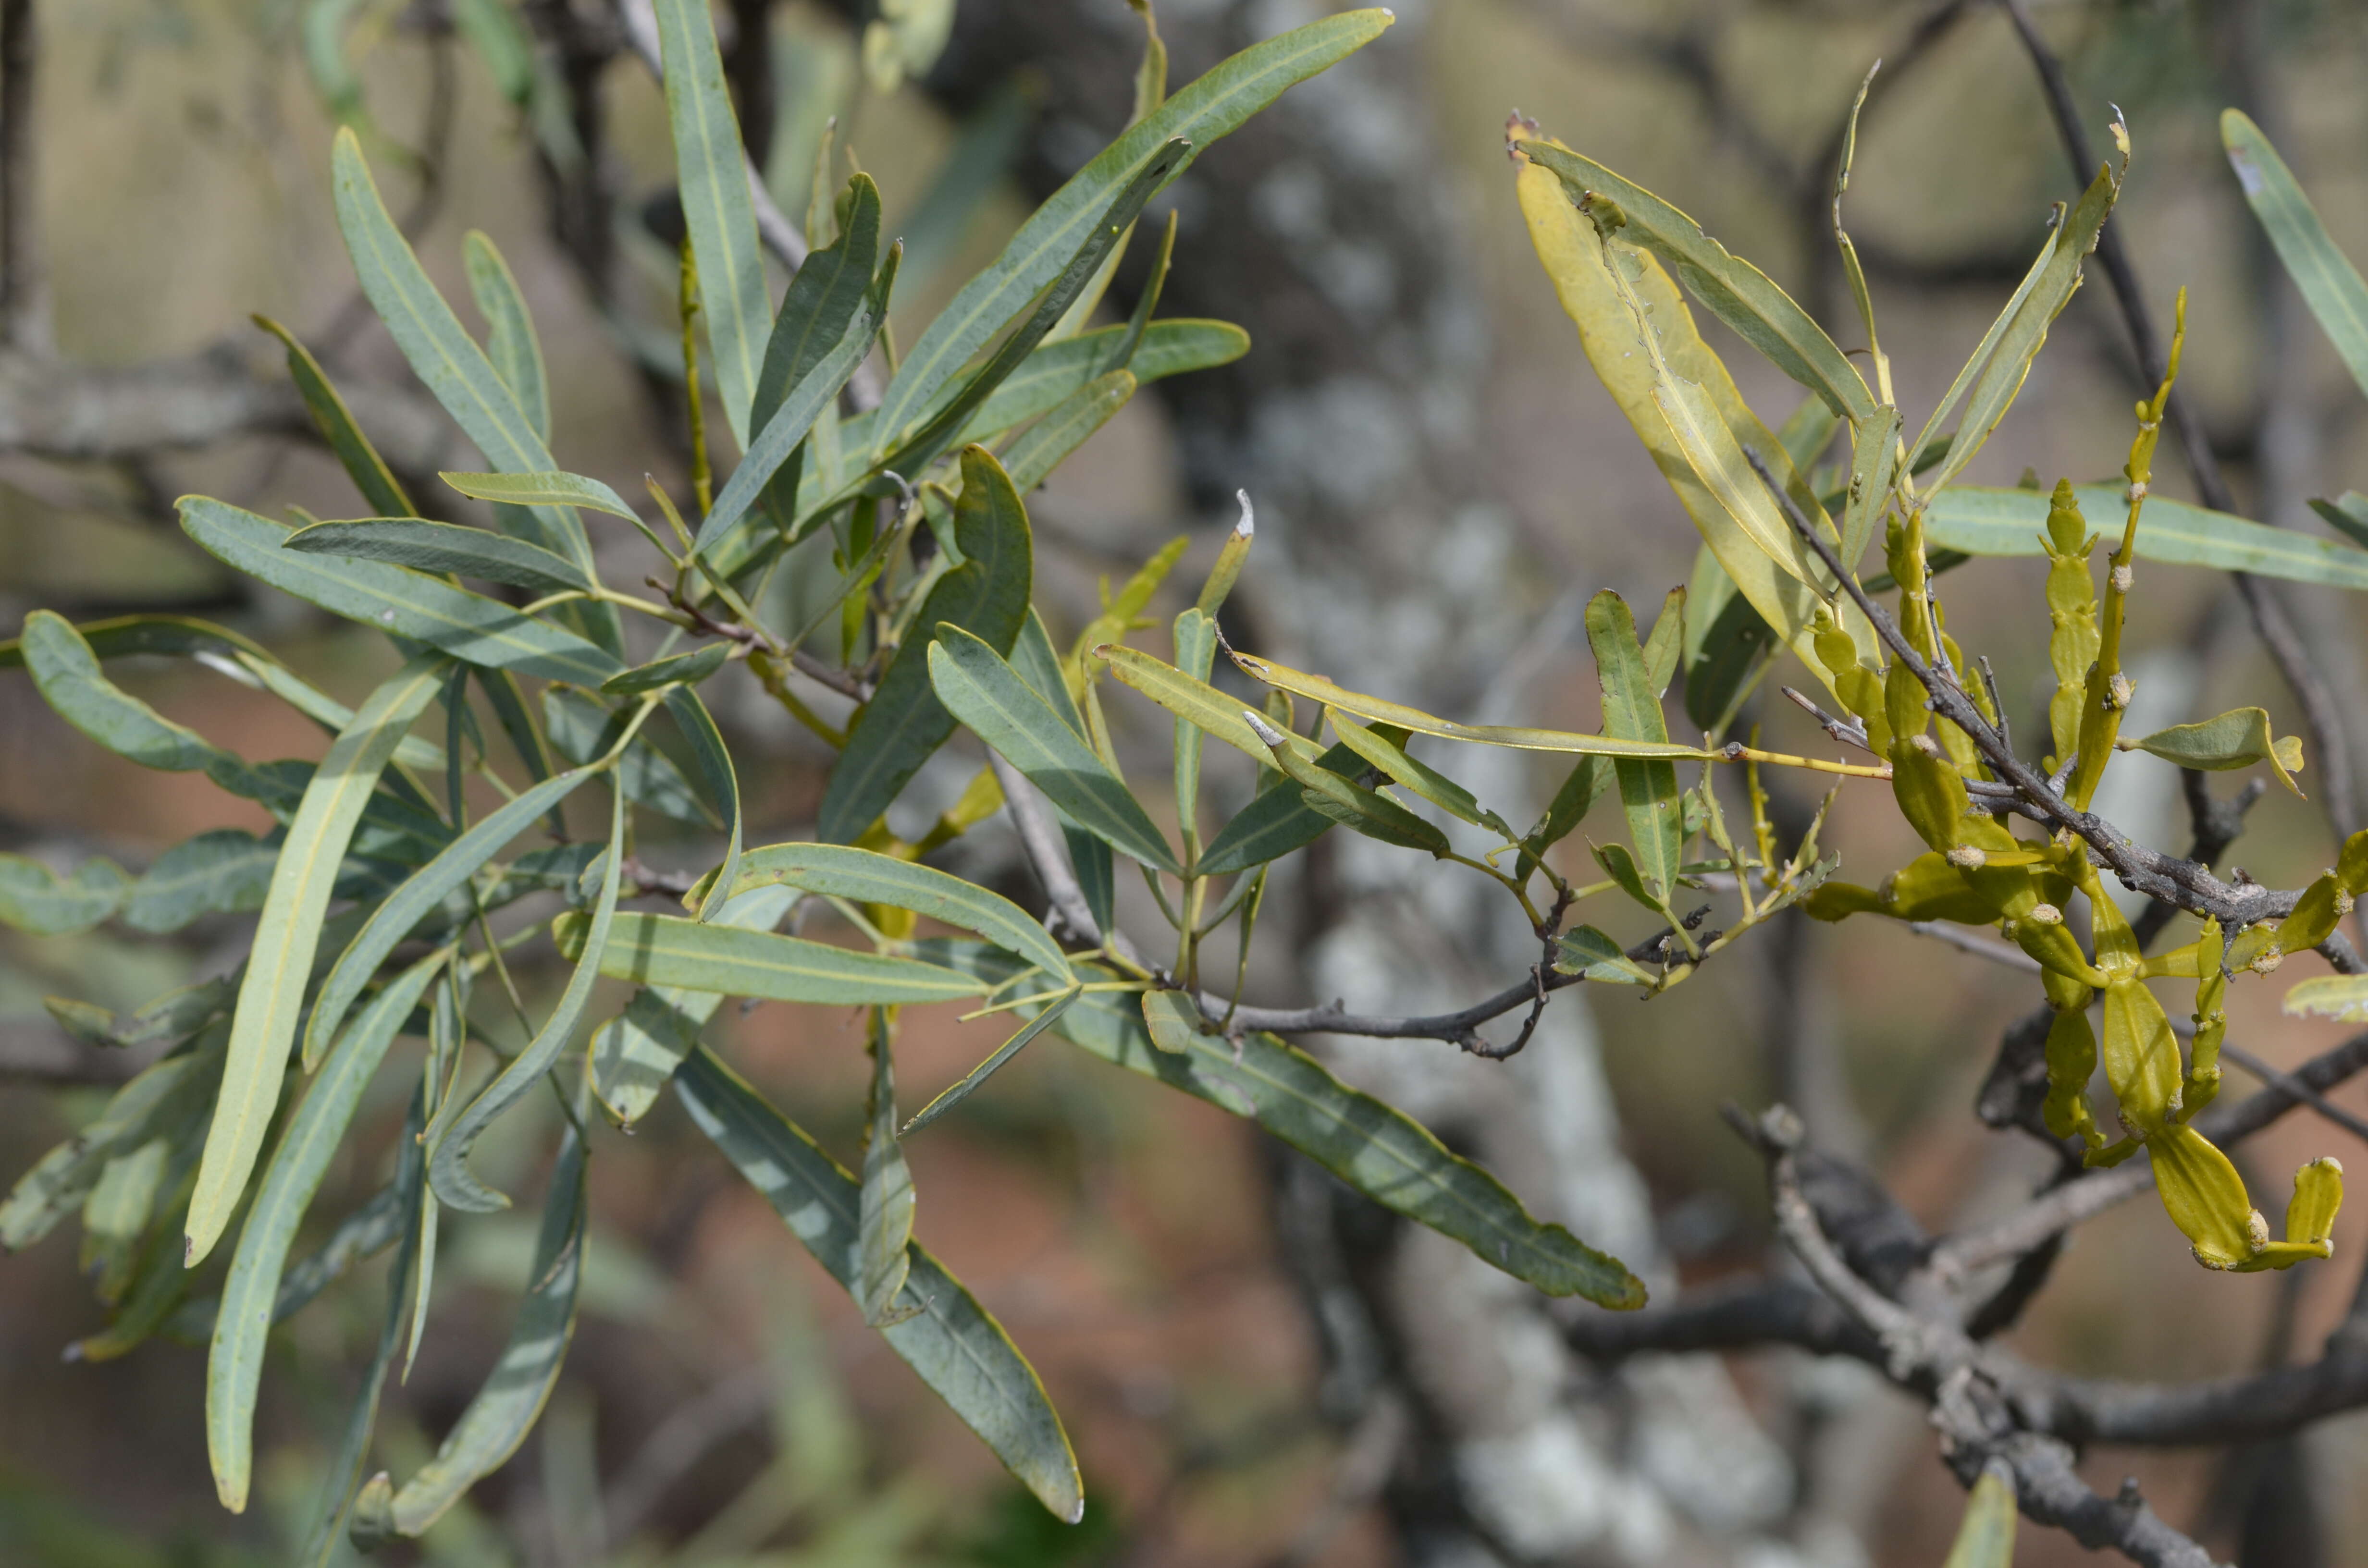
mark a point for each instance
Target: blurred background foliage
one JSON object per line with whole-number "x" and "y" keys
{"x": 719, "y": 1408}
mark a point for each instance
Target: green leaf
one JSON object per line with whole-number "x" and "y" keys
{"x": 157, "y": 1103}
{"x": 582, "y": 730}
{"x": 1277, "y": 821}
{"x": 423, "y": 892}
{"x": 712, "y": 173}
{"x": 681, "y": 669}
{"x": 1040, "y": 666}
{"x": 2329, "y": 284}
{"x": 1930, "y": 446}
{"x": 987, "y": 694}
{"x": 823, "y": 300}
{"x": 1986, "y": 1536}
{"x": 35, "y": 900}
{"x": 369, "y": 471}
{"x": 242, "y": 1322}
{"x": 805, "y": 401}
{"x": 505, "y": 1410}
{"x": 448, "y": 1161}
{"x": 447, "y": 360}
{"x": 2340, "y": 996}
{"x": 1588, "y": 951}
{"x": 1982, "y": 521}
{"x": 1204, "y": 111}
{"x": 1632, "y": 710}
{"x": 2237, "y": 738}
{"x": 2347, "y": 515}
{"x": 1874, "y": 468}
{"x": 2052, "y": 286}
{"x": 166, "y": 635}
{"x": 510, "y": 343}
{"x": 1046, "y": 444}
{"x": 1372, "y": 1147}
{"x": 714, "y": 760}
{"x": 271, "y": 995}
{"x": 551, "y": 487}
{"x": 226, "y": 871}
{"x": 1195, "y": 651}
{"x": 444, "y": 547}
{"x": 1193, "y": 700}
{"x": 665, "y": 949}
{"x": 1727, "y": 642}
{"x": 1728, "y": 286}
{"x": 884, "y": 1223}
{"x": 635, "y": 1054}
{"x": 862, "y": 875}
{"x": 958, "y": 1349}
{"x": 1427, "y": 782}
{"x": 67, "y": 674}
{"x": 470, "y": 627}
{"x": 987, "y": 598}
{"x": 1172, "y": 1020}
{"x": 979, "y": 1074}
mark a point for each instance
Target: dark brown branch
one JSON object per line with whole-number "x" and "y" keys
{"x": 2325, "y": 720}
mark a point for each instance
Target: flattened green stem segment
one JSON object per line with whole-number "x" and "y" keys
{"x": 272, "y": 993}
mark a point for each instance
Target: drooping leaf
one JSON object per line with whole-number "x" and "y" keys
{"x": 1046, "y": 444}
{"x": 1728, "y": 286}
{"x": 1376, "y": 1149}
{"x": 271, "y": 995}
{"x": 1982, "y": 521}
{"x": 905, "y": 722}
{"x": 712, "y": 174}
{"x": 35, "y": 900}
{"x": 1986, "y": 1536}
{"x": 988, "y": 695}
{"x": 2328, "y": 281}
{"x": 681, "y": 669}
{"x": 1395, "y": 764}
{"x": 242, "y": 1322}
{"x": 2237, "y": 738}
{"x": 958, "y": 1349}
{"x": 712, "y": 758}
{"x": 866, "y": 876}
{"x": 636, "y": 1052}
{"x": 472, "y": 629}
{"x": 1200, "y": 114}
{"x": 166, "y": 635}
{"x": 505, "y": 1410}
{"x": 67, "y": 674}
{"x": 444, "y": 547}
{"x": 226, "y": 871}
{"x": 2346, "y": 514}
{"x": 422, "y": 892}
{"x": 173, "y": 1093}
{"x": 884, "y": 1222}
{"x": 1193, "y": 700}
{"x": 449, "y": 1175}
{"x": 1632, "y": 710}
{"x": 369, "y": 471}
{"x": 665, "y": 949}
{"x": 823, "y": 300}
{"x": 511, "y": 342}
{"x": 971, "y": 1079}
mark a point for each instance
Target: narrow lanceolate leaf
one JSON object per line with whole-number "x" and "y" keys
{"x": 226, "y": 871}
{"x": 35, "y": 900}
{"x": 2012, "y": 521}
{"x": 1278, "y": 821}
{"x": 168, "y": 635}
{"x": 271, "y": 995}
{"x": 1874, "y": 465}
{"x": 1986, "y": 1536}
{"x": 447, "y": 1162}
{"x": 1196, "y": 650}
{"x": 1728, "y": 286}
{"x": 1207, "y": 110}
{"x": 1046, "y": 444}
{"x": 837, "y": 870}
{"x": 444, "y": 547}
{"x": 665, "y": 949}
{"x": 510, "y": 341}
{"x": 1979, "y": 359}
{"x": 2330, "y": 285}
{"x": 958, "y": 1349}
{"x": 362, "y": 464}
{"x": 242, "y": 1323}
{"x": 67, "y": 674}
{"x": 979, "y": 1074}
{"x": 2340, "y": 996}
{"x": 801, "y": 406}
{"x": 714, "y": 760}
{"x": 1380, "y": 710}
{"x": 883, "y": 1207}
{"x": 1374, "y": 1148}
{"x": 2237, "y": 738}
{"x": 985, "y": 597}
{"x": 154, "y": 1105}
{"x": 712, "y": 174}
{"x": 448, "y": 362}
{"x": 423, "y": 892}
{"x": 553, "y": 487}
{"x": 822, "y": 299}
{"x": 1631, "y": 709}
{"x": 635, "y": 1054}
{"x": 1600, "y": 306}
{"x": 988, "y": 695}
{"x": 1195, "y": 701}
{"x": 681, "y": 669}
{"x": 505, "y": 1410}
{"x": 470, "y": 627}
